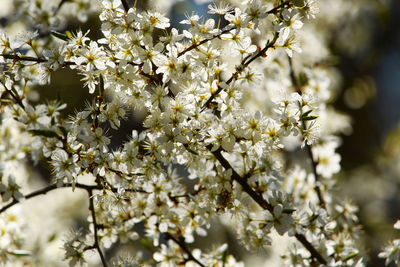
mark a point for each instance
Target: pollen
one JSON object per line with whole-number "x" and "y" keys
{"x": 272, "y": 133}
{"x": 154, "y": 20}
{"x": 177, "y": 108}
{"x": 253, "y": 125}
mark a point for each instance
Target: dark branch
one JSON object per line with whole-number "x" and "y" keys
{"x": 245, "y": 186}
{"x": 314, "y": 253}
{"x": 33, "y": 59}
{"x": 125, "y": 4}
{"x": 262, "y": 52}
{"x": 317, "y": 188}
{"x": 62, "y": 2}
{"x": 95, "y": 227}
{"x": 240, "y": 68}
{"x": 317, "y": 182}
{"x": 51, "y": 187}
{"x": 14, "y": 95}
{"x": 24, "y": 58}
{"x": 262, "y": 202}
{"x": 277, "y": 8}
{"x": 193, "y": 46}
{"x": 182, "y": 245}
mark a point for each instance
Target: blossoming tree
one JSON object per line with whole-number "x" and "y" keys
{"x": 239, "y": 104}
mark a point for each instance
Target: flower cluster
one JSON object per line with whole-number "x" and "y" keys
{"x": 392, "y": 251}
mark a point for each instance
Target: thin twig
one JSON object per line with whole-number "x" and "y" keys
{"x": 263, "y": 51}
{"x": 33, "y": 59}
{"x": 193, "y": 46}
{"x": 51, "y": 187}
{"x": 24, "y": 58}
{"x": 317, "y": 188}
{"x": 317, "y": 182}
{"x": 95, "y": 226}
{"x": 154, "y": 78}
{"x": 245, "y": 186}
{"x": 240, "y": 69}
{"x": 277, "y": 8}
{"x": 246, "y": 62}
{"x": 15, "y": 96}
{"x": 62, "y": 2}
{"x": 125, "y": 4}
{"x": 182, "y": 245}
{"x": 314, "y": 253}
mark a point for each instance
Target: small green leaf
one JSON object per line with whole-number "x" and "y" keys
{"x": 19, "y": 252}
{"x": 352, "y": 255}
{"x": 44, "y": 133}
{"x": 59, "y": 35}
{"x": 69, "y": 34}
{"x": 302, "y": 79}
{"x": 309, "y": 118}
{"x": 298, "y": 3}
{"x": 61, "y": 130}
{"x": 288, "y": 211}
{"x": 145, "y": 243}
{"x": 52, "y": 237}
{"x": 305, "y": 114}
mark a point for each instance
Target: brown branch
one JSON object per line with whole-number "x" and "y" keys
{"x": 277, "y": 8}
{"x": 293, "y": 77}
{"x": 182, "y": 245}
{"x": 154, "y": 78}
{"x": 245, "y": 186}
{"x": 314, "y": 253}
{"x": 24, "y": 58}
{"x": 262, "y": 202}
{"x": 317, "y": 182}
{"x": 263, "y": 51}
{"x": 193, "y": 46}
{"x": 88, "y": 188}
{"x": 239, "y": 69}
{"x": 62, "y": 2}
{"x": 51, "y": 187}
{"x": 33, "y": 59}
{"x": 95, "y": 227}
{"x": 15, "y": 96}
{"x": 125, "y": 4}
